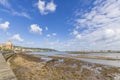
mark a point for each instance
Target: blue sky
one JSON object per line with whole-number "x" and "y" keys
{"x": 61, "y": 24}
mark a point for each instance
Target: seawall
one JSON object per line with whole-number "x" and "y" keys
{"x": 6, "y": 72}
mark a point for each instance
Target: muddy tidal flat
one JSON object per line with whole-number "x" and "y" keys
{"x": 29, "y": 67}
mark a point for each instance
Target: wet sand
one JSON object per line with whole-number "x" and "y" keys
{"x": 28, "y": 67}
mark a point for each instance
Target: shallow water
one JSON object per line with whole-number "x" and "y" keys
{"x": 111, "y": 55}
{"x": 46, "y": 58}
{"x": 105, "y": 62}
{"x": 50, "y": 53}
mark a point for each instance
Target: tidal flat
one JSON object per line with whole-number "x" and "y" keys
{"x": 29, "y": 67}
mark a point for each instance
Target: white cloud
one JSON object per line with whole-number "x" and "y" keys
{"x": 46, "y": 28}
{"x": 48, "y": 35}
{"x": 11, "y": 10}
{"x": 46, "y": 7}
{"x": 5, "y": 3}
{"x": 8, "y": 33}
{"x": 30, "y": 43}
{"x": 41, "y": 6}
{"x": 78, "y": 36}
{"x": 51, "y": 35}
{"x": 52, "y": 44}
{"x": 110, "y": 32}
{"x": 0, "y": 19}
{"x": 75, "y": 32}
{"x": 98, "y": 28}
{"x": 34, "y": 28}
{"x": 16, "y": 13}
{"x": 101, "y": 15}
{"x": 4, "y": 25}
{"x": 23, "y": 14}
{"x": 17, "y": 37}
{"x": 51, "y": 6}
{"x": 54, "y": 34}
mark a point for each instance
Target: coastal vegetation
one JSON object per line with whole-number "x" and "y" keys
{"x": 39, "y": 49}
{"x": 4, "y": 49}
{"x": 30, "y": 49}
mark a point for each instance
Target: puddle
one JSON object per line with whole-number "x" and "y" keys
{"x": 60, "y": 60}
{"x": 46, "y": 58}
{"x": 117, "y": 77}
{"x": 74, "y": 65}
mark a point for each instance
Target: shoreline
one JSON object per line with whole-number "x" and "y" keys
{"x": 28, "y": 67}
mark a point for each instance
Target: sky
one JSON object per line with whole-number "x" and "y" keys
{"x": 66, "y": 25}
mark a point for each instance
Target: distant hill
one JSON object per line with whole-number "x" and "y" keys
{"x": 29, "y": 49}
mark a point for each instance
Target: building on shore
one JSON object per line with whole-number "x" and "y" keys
{"x": 17, "y": 48}
{"x": 1, "y": 45}
{"x": 8, "y": 45}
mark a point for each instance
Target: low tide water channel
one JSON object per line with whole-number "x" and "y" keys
{"x": 115, "y": 63}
